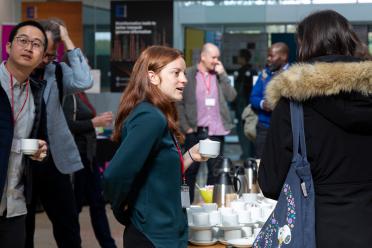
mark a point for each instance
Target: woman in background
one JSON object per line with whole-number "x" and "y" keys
{"x": 82, "y": 120}
{"x": 335, "y": 89}
{"x": 144, "y": 179}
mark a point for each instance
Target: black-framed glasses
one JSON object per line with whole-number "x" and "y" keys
{"x": 24, "y": 42}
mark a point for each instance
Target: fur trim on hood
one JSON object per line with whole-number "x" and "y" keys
{"x": 304, "y": 81}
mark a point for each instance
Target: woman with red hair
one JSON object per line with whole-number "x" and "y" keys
{"x": 144, "y": 179}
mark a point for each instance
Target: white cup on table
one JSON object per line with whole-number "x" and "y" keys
{"x": 200, "y": 219}
{"x": 203, "y": 235}
{"x": 230, "y": 219}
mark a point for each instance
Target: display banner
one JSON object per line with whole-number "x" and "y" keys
{"x": 5, "y": 32}
{"x": 136, "y": 25}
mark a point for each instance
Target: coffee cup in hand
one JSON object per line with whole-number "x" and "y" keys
{"x": 209, "y": 148}
{"x": 29, "y": 146}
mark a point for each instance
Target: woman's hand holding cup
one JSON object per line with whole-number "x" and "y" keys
{"x": 195, "y": 154}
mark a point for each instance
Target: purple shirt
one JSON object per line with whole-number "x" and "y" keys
{"x": 208, "y": 116}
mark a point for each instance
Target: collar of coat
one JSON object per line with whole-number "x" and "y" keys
{"x": 304, "y": 81}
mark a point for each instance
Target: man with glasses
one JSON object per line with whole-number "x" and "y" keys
{"x": 51, "y": 182}
{"x": 20, "y": 117}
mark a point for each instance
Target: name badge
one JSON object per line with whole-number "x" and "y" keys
{"x": 210, "y": 102}
{"x": 185, "y": 196}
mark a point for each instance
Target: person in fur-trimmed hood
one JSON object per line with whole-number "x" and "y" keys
{"x": 335, "y": 89}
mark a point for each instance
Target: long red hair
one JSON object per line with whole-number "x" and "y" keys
{"x": 139, "y": 88}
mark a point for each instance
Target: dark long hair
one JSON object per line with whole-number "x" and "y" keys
{"x": 139, "y": 88}
{"x": 325, "y": 33}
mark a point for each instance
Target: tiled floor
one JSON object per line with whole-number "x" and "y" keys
{"x": 44, "y": 233}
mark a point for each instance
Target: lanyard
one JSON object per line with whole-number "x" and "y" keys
{"x": 15, "y": 117}
{"x": 181, "y": 159}
{"x": 207, "y": 82}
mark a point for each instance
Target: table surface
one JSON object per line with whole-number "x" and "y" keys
{"x": 218, "y": 245}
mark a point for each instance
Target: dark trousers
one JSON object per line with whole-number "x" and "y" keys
{"x": 13, "y": 232}
{"x": 260, "y": 139}
{"x": 54, "y": 190}
{"x": 87, "y": 185}
{"x": 192, "y": 171}
{"x": 133, "y": 238}
{"x": 246, "y": 145}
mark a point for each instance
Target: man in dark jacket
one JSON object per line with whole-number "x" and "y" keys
{"x": 20, "y": 115}
{"x": 243, "y": 86}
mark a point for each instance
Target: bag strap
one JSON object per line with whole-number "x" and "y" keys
{"x": 74, "y": 104}
{"x": 75, "y": 107}
{"x": 298, "y": 133}
{"x": 59, "y": 78}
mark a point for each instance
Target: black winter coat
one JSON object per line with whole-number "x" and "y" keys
{"x": 336, "y": 93}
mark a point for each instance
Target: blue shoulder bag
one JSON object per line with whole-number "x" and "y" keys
{"x": 292, "y": 223}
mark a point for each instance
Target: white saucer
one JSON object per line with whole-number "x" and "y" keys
{"x": 250, "y": 223}
{"x": 261, "y": 222}
{"x": 241, "y": 243}
{"x": 222, "y": 241}
{"x": 200, "y": 227}
{"x": 201, "y": 243}
{"x": 228, "y": 228}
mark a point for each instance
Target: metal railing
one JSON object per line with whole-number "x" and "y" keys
{"x": 266, "y": 2}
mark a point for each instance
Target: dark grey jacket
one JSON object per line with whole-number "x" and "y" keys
{"x": 187, "y": 109}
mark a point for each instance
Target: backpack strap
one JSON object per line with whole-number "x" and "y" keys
{"x": 59, "y": 79}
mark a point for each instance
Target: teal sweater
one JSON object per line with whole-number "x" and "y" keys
{"x": 145, "y": 174}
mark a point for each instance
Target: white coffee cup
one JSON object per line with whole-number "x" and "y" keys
{"x": 250, "y": 197}
{"x": 256, "y": 231}
{"x": 255, "y": 213}
{"x": 265, "y": 212}
{"x": 209, "y": 148}
{"x": 230, "y": 219}
{"x": 214, "y": 218}
{"x": 203, "y": 235}
{"x": 247, "y": 231}
{"x": 232, "y": 234}
{"x": 189, "y": 216}
{"x": 244, "y": 216}
{"x": 225, "y": 210}
{"x": 216, "y": 232}
{"x": 200, "y": 219}
{"x": 237, "y": 205}
{"x": 209, "y": 207}
{"x": 29, "y": 146}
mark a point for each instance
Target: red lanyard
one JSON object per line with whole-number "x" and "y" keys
{"x": 181, "y": 159}
{"x": 15, "y": 117}
{"x": 207, "y": 82}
